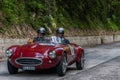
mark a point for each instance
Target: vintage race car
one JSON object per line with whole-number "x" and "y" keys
{"x": 38, "y": 56}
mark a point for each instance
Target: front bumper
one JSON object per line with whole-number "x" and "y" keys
{"x": 46, "y": 63}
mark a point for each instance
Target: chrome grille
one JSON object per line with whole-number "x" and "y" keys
{"x": 29, "y": 61}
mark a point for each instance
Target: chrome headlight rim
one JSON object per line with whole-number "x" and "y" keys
{"x": 9, "y": 52}
{"x": 52, "y": 54}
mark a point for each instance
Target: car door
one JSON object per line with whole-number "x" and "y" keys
{"x": 70, "y": 50}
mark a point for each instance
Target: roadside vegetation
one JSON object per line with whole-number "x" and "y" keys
{"x": 70, "y": 14}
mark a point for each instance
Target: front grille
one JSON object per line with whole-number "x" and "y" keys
{"x": 29, "y": 61}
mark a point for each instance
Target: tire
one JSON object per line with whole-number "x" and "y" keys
{"x": 62, "y": 66}
{"x": 80, "y": 64}
{"x": 11, "y": 68}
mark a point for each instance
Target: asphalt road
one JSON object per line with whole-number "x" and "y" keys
{"x": 102, "y": 63}
{"x": 109, "y": 70}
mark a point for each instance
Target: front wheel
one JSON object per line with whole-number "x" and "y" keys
{"x": 11, "y": 68}
{"x": 80, "y": 63}
{"x": 62, "y": 66}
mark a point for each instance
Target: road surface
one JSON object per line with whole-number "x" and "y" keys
{"x": 102, "y": 63}
{"x": 109, "y": 70}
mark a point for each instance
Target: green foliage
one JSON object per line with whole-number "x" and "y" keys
{"x": 82, "y": 14}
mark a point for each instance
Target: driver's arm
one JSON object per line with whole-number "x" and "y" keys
{"x": 66, "y": 41}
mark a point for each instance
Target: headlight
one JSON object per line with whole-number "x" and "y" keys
{"x": 52, "y": 55}
{"x": 9, "y": 52}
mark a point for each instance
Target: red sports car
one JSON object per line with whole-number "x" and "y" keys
{"x": 37, "y": 56}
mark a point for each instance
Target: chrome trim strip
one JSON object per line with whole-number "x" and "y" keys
{"x": 58, "y": 49}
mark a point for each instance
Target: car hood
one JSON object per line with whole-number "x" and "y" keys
{"x": 32, "y": 50}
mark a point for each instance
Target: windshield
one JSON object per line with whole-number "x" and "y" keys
{"x": 47, "y": 44}
{"x": 51, "y": 41}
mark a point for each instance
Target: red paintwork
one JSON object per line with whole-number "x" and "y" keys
{"x": 30, "y": 50}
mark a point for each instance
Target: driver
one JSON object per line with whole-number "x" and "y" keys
{"x": 59, "y": 38}
{"x": 40, "y": 35}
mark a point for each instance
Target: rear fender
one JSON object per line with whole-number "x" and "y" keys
{"x": 79, "y": 54}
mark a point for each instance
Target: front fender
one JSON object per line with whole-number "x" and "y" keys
{"x": 14, "y": 49}
{"x": 59, "y": 51}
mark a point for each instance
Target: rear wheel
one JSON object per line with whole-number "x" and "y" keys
{"x": 62, "y": 66}
{"x": 11, "y": 68}
{"x": 80, "y": 63}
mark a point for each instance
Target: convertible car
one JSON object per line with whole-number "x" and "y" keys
{"x": 46, "y": 55}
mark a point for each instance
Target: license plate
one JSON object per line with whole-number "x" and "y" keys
{"x": 28, "y": 68}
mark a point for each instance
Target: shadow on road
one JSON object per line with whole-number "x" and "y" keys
{"x": 45, "y": 73}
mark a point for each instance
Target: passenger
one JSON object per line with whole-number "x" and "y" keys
{"x": 59, "y": 38}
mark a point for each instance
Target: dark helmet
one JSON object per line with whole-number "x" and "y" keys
{"x": 60, "y": 30}
{"x": 41, "y": 31}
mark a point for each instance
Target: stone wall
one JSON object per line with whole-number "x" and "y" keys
{"x": 94, "y": 40}
{"x": 83, "y": 41}
{"x": 5, "y": 43}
